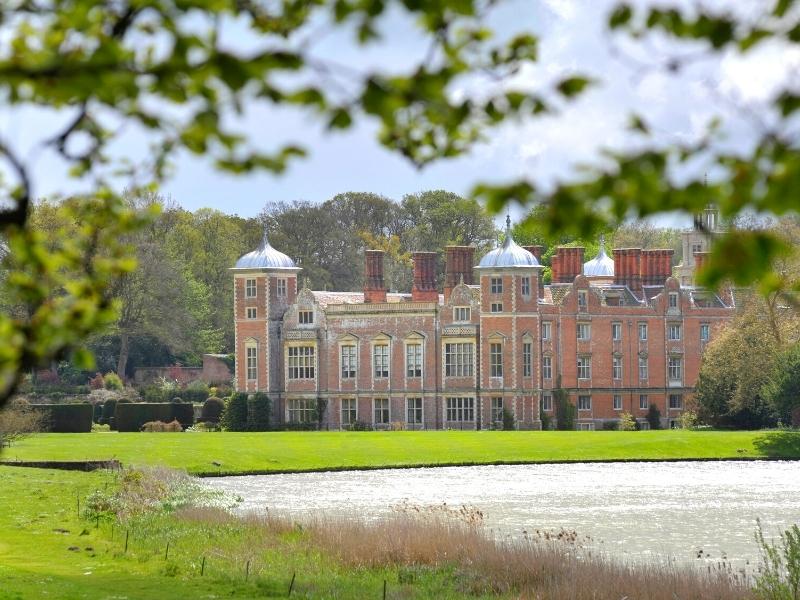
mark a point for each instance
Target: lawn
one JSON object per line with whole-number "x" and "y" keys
{"x": 48, "y": 551}
{"x": 306, "y": 451}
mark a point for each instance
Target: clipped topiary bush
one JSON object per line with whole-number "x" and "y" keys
{"x": 109, "y": 410}
{"x": 131, "y": 417}
{"x": 66, "y": 418}
{"x": 235, "y": 416}
{"x": 259, "y": 412}
{"x": 654, "y": 417}
{"x": 183, "y": 413}
{"x": 212, "y": 410}
{"x": 111, "y": 381}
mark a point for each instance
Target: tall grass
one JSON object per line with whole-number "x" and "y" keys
{"x": 414, "y": 541}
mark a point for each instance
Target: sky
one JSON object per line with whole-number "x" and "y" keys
{"x": 573, "y": 39}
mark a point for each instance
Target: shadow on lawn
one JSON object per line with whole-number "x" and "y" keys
{"x": 779, "y": 444}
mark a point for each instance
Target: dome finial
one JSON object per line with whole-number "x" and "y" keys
{"x": 602, "y": 242}
{"x": 508, "y": 223}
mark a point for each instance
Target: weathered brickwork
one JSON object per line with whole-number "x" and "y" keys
{"x": 618, "y": 341}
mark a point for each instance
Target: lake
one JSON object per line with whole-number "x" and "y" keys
{"x": 692, "y": 512}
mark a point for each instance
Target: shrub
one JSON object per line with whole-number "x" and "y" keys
{"x": 151, "y": 393}
{"x": 109, "y": 411}
{"x": 66, "y": 418}
{"x": 779, "y": 576}
{"x": 160, "y": 426}
{"x": 70, "y": 374}
{"x": 654, "y": 417}
{"x": 97, "y": 382}
{"x": 627, "y": 422}
{"x": 565, "y": 410}
{"x": 688, "y": 419}
{"x": 183, "y": 413}
{"x": 509, "y": 422}
{"x": 18, "y": 420}
{"x": 359, "y": 426}
{"x": 131, "y": 417}
{"x": 547, "y": 420}
{"x": 212, "y": 410}
{"x": 197, "y": 396}
{"x": 259, "y": 412}
{"x": 111, "y": 381}
{"x": 235, "y": 416}
{"x": 610, "y": 426}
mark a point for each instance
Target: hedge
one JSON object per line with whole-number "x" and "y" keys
{"x": 235, "y": 416}
{"x": 66, "y": 418}
{"x": 131, "y": 417}
{"x": 153, "y": 393}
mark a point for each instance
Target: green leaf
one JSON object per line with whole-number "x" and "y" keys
{"x": 83, "y": 359}
{"x": 788, "y": 102}
{"x": 781, "y": 7}
{"x": 572, "y": 86}
{"x": 620, "y": 16}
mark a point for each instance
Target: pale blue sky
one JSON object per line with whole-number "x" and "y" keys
{"x": 573, "y": 39}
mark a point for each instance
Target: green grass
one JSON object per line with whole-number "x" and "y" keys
{"x": 305, "y": 451}
{"x": 47, "y": 551}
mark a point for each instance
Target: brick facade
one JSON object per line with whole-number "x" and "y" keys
{"x": 495, "y": 341}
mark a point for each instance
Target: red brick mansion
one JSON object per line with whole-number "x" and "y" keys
{"x": 619, "y": 335}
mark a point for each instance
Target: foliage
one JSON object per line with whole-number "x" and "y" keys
{"x": 653, "y": 416}
{"x": 235, "y": 416}
{"x": 779, "y": 576}
{"x": 18, "y": 420}
{"x": 509, "y": 422}
{"x": 112, "y": 381}
{"x": 688, "y": 419}
{"x": 565, "y": 411}
{"x": 737, "y": 364}
{"x": 781, "y": 391}
{"x": 546, "y": 420}
{"x": 627, "y": 422}
{"x": 259, "y": 412}
{"x": 212, "y": 410}
{"x": 322, "y": 406}
{"x": 132, "y": 67}
{"x": 160, "y": 426}
{"x": 97, "y": 382}
{"x": 66, "y": 418}
{"x": 132, "y": 416}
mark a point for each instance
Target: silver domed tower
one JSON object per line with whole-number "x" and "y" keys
{"x": 509, "y": 255}
{"x": 601, "y": 265}
{"x": 266, "y": 257}
{"x": 265, "y": 285}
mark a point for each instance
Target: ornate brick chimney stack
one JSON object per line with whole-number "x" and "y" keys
{"x": 374, "y": 287}
{"x": 459, "y": 261}
{"x": 628, "y": 268}
{"x": 566, "y": 264}
{"x": 424, "y": 287}
{"x": 656, "y": 266}
{"x": 700, "y": 260}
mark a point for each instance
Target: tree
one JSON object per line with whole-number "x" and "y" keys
{"x": 781, "y": 391}
{"x": 167, "y": 70}
{"x": 736, "y": 366}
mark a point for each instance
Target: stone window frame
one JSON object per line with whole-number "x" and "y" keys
{"x": 348, "y": 342}
{"x": 585, "y": 367}
{"x": 614, "y": 404}
{"x": 421, "y": 410}
{"x": 462, "y": 314}
{"x": 616, "y": 367}
{"x": 414, "y": 339}
{"x": 251, "y": 312}
{"x": 381, "y": 341}
{"x": 674, "y": 327}
{"x": 386, "y": 406}
{"x": 351, "y": 411}
{"x": 584, "y": 402}
{"x": 250, "y": 288}
{"x": 251, "y": 344}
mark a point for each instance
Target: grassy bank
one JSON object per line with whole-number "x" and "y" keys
{"x": 179, "y": 550}
{"x": 306, "y": 451}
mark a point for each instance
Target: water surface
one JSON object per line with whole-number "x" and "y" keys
{"x": 633, "y": 511}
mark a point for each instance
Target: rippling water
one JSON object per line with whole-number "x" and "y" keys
{"x": 633, "y": 511}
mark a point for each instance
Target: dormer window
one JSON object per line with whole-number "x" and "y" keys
{"x": 582, "y": 300}
{"x": 673, "y": 300}
{"x": 305, "y": 317}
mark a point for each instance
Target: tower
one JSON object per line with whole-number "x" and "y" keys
{"x": 264, "y": 285}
